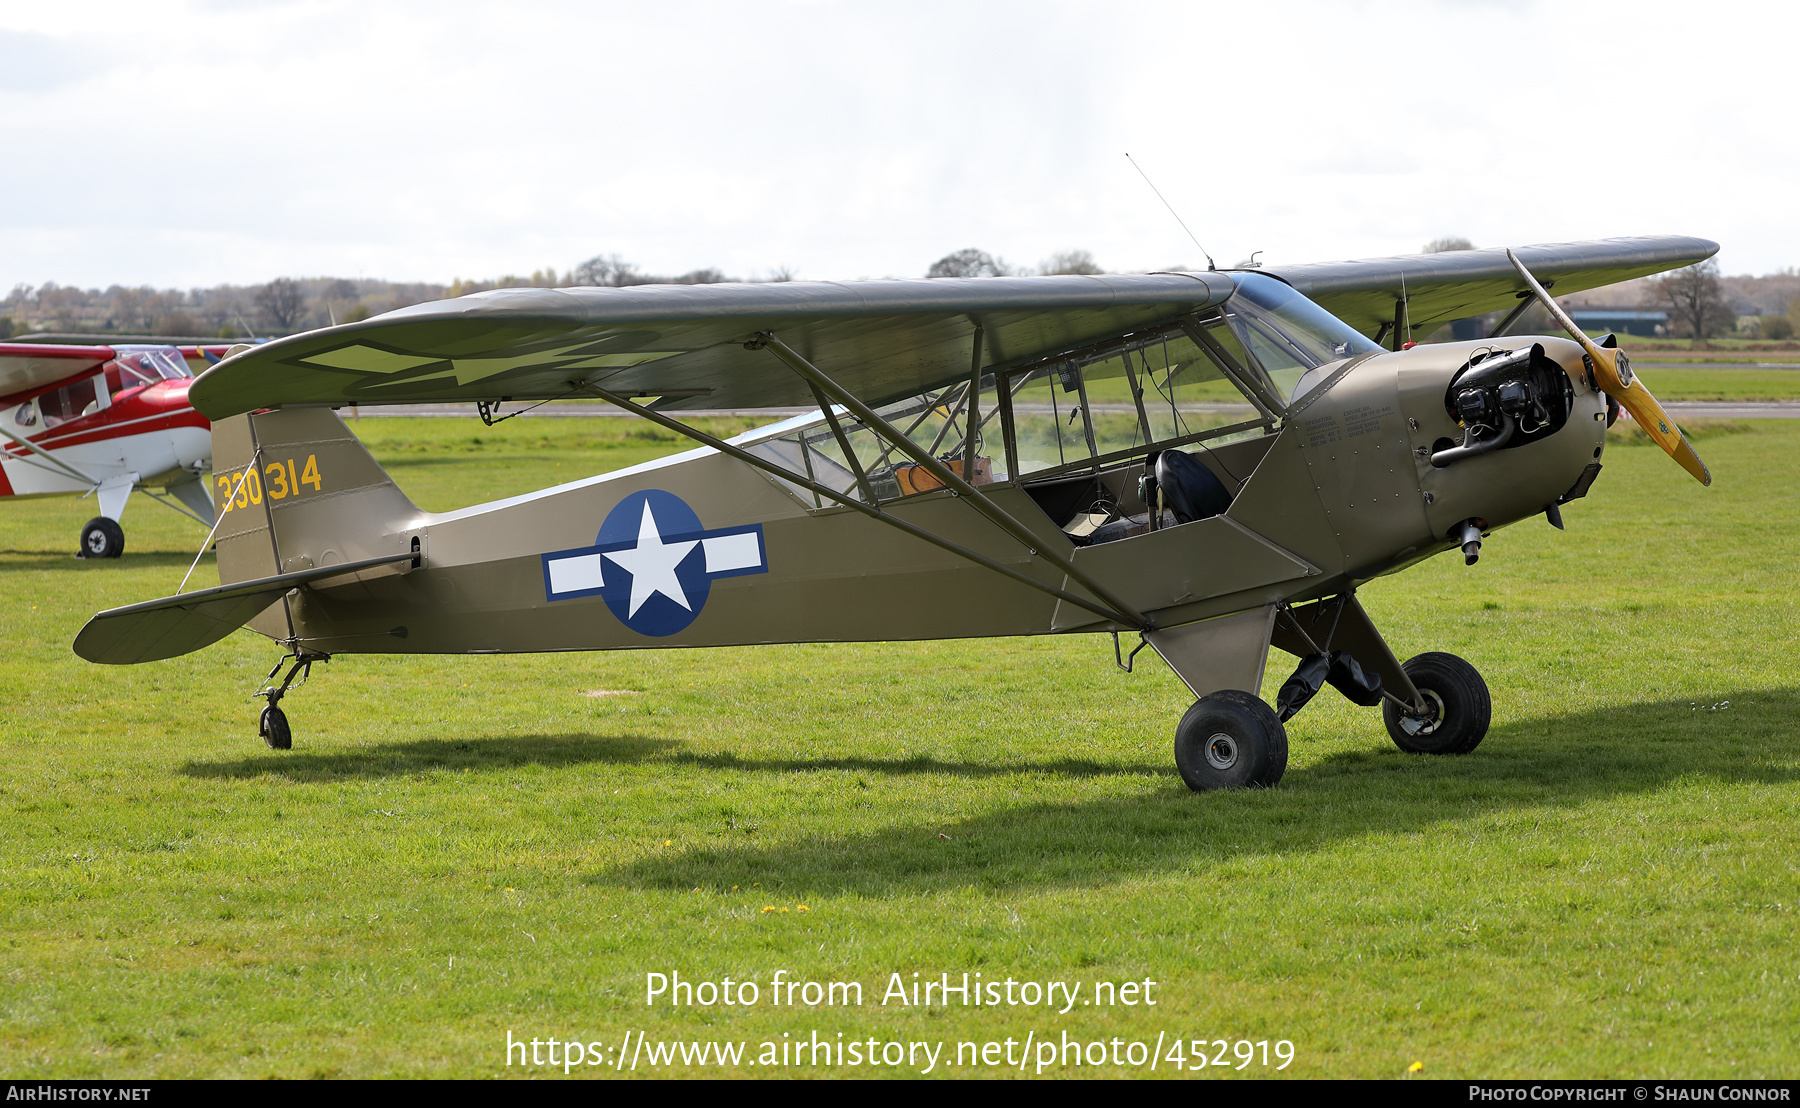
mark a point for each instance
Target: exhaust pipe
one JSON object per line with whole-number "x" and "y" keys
{"x": 1468, "y": 536}
{"x": 1471, "y": 447}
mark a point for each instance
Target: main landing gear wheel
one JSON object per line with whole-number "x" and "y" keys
{"x": 101, "y": 538}
{"x": 1460, "y": 709}
{"x": 1230, "y": 740}
{"x": 274, "y": 729}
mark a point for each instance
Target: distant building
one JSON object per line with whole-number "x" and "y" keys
{"x": 1598, "y": 321}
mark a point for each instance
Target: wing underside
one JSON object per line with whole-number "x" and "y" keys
{"x": 1461, "y": 283}
{"x": 25, "y": 366}
{"x": 694, "y": 346}
{"x": 687, "y": 344}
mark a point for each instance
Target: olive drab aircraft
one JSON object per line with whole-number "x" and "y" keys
{"x": 103, "y": 421}
{"x": 1212, "y": 462}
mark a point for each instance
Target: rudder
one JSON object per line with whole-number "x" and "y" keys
{"x": 315, "y": 497}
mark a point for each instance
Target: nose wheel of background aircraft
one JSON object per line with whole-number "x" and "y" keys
{"x": 1459, "y": 707}
{"x": 101, "y": 538}
{"x": 1230, "y": 739}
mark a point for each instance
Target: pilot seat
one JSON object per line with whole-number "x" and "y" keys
{"x": 1189, "y": 489}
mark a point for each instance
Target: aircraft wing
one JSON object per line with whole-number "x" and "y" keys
{"x": 29, "y": 365}
{"x": 882, "y": 340}
{"x": 1461, "y": 283}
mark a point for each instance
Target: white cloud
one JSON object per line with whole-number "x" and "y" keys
{"x": 215, "y": 141}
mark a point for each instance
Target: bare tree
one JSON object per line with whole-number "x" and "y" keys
{"x": 1070, "y": 261}
{"x": 968, "y": 263}
{"x": 281, "y": 301}
{"x": 1445, "y": 245}
{"x": 1695, "y": 301}
{"x": 609, "y": 271}
{"x": 129, "y": 309}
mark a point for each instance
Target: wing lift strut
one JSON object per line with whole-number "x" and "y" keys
{"x": 831, "y": 396}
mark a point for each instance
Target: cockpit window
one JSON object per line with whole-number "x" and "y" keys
{"x": 72, "y": 401}
{"x": 1288, "y": 335}
{"x": 144, "y": 365}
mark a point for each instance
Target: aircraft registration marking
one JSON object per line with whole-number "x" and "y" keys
{"x": 241, "y": 489}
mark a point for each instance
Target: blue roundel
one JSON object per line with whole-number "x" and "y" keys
{"x": 655, "y": 577}
{"x": 653, "y": 564}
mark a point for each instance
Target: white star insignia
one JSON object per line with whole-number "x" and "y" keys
{"x": 652, "y": 565}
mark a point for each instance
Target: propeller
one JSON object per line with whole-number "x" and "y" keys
{"x": 1612, "y": 372}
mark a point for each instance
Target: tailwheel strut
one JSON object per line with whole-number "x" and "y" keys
{"x": 273, "y": 726}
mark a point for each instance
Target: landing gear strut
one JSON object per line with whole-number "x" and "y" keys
{"x": 273, "y": 726}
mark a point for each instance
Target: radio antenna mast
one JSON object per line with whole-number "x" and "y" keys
{"x": 1171, "y": 207}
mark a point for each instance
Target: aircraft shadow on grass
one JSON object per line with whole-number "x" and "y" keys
{"x": 17, "y": 560}
{"x": 1528, "y": 765}
{"x": 1531, "y": 765}
{"x": 425, "y": 755}
{"x": 399, "y": 759}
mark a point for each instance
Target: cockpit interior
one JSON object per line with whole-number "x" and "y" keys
{"x": 1138, "y": 433}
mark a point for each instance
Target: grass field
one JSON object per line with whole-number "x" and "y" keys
{"x": 1681, "y": 383}
{"x": 459, "y": 847}
{"x": 1716, "y": 350}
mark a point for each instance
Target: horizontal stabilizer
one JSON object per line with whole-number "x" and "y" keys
{"x": 176, "y": 625}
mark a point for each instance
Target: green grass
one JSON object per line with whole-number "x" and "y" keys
{"x": 462, "y": 846}
{"x": 1667, "y": 383}
{"x": 1716, "y": 350}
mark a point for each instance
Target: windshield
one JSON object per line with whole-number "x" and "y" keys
{"x": 145, "y": 365}
{"x": 1288, "y": 334}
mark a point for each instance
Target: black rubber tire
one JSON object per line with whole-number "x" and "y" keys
{"x": 274, "y": 729}
{"x": 1230, "y": 740}
{"x": 101, "y": 538}
{"x": 1464, "y": 713}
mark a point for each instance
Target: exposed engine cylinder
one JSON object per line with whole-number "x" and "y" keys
{"x": 1504, "y": 399}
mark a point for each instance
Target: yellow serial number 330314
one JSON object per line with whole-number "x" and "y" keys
{"x": 285, "y": 479}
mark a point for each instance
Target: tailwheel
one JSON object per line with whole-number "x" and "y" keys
{"x": 1458, "y": 708}
{"x": 274, "y": 729}
{"x": 101, "y": 538}
{"x": 1230, "y": 740}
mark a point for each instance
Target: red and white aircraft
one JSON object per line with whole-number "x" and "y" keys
{"x": 102, "y": 421}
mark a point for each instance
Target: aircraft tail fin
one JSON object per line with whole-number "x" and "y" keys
{"x": 315, "y": 497}
{"x": 301, "y": 503}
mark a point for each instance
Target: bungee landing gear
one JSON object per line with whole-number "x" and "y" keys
{"x": 272, "y": 727}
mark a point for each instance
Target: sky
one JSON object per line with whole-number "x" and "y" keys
{"x": 187, "y": 144}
